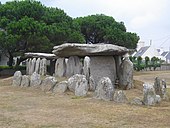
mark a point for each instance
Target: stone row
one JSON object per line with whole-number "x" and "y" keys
{"x": 36, "y": 65}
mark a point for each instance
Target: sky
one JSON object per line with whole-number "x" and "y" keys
{"x": 150, "y": 19}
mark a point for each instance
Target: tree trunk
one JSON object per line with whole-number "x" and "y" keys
{"x": 19, "y": 60}
{"x": 10, "y": 62}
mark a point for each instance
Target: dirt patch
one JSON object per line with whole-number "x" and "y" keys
{"x": 31, "y": 108}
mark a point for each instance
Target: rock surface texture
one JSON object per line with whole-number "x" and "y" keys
{"x": 17, "y": 78}
{"x": 61, "y": 87}
{"x": 48, "y": 83}
{"x": 60, "y": 67}
{"x": 120, "y": 97}
{"x": 74, "y": 49}
{"x": 82, "y": 87}
{"x": 104, "y": 90}
{"x": 157, "y": 86}
{"x": 25, "y": 81}
{"x": 35, "y": 79}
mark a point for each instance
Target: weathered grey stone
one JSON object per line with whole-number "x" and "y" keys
{"x": 48, "y": 83}
{"x": 137, "y": 101}
{"x": 35, "y": 79}
{"x": 33, "y": 65}
{"x": 86, "y": 67}
{"x": 118, "y": 63}
{"x": 43, "y": 67}
{"x": 30, "y": 63}
{"x": 120, "y": 97}
{"x": 27, "y": 66}
{"x": 37, "y": 66}
{"x": 92, "y": 84}
{"x": 102, "y": 66}
{"x": 74, "y": 66}
{"x": 150, "y": 97}
{"x": 60, "y": 67}
{"x": 164, "y": 90}
{"x": 105, "y": 89}
{"x": 158, "y": 99}
{"x": 82, "y": 87}
{"x": 74, "y": 49}
{"x": 61, "y": 87}
{"x": 157, "y": 86}
{"x": 25, "y": 81}
{"x": 126, "y": 74}
{"x": 17, "y": 78}
{"x": 74, "y": 80}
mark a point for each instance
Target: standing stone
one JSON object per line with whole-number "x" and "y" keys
{"x": 74, "y": 80}
{"x": 102, "y": 66}
{"x": 30, "y": 63}
{"x": 118, "y": 63}
{"x": 27, "y": 66}
{"x": 37, "y": 66}
{"x": 126, "y": 74}
{"x": 86, "y": 67}
{"x": 43, "y": 67}
{"x": 33, "y": 65}
{"x": 92, "y": 84}
{"x": 17, "y": 78}
{"x": 35, "y": 79}
{"x": 60, "y": 67}
{"x": 61, "y": 87}
{"x": 164, "y": 91}
{"x": 120, "y": 97}
{"x": 25, "y": 81}
{"x": 74, "y": 66}
{"x": 150, "y": 97}
{"x": 105, "y": 89}
{"x": 157, "y": 86}
{"x": 81, "y": 88}
{"x": 137, "y": 101}
{"x": 48, "y": 83}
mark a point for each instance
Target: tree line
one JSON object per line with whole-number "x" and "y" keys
{"x": 29, "y": 26}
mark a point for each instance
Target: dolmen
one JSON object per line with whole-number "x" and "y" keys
{"x": 95, "y": 61}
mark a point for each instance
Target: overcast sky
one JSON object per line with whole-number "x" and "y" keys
{"x": 150, "y": 19}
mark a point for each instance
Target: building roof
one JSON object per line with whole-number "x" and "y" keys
{"x": 167, "y": 55}
{"x": 164, "y": 53}
{"x": 141, "y": 51}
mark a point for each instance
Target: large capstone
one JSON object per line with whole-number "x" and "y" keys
{"x": 120, "y": 97}
{"x": 60, "y": 67}
{"x": 150, "y": 97}
{"x": 74, "y": 66}
{"x": 102, "y": 66}
{"x": 17, "y": 78}
{"x": 74, "y": 49}
{"x": 126, "y": 74}
{"x": 48, "y": 83}
{"x": 35, "y": 79}
{"x": 25, "y": 81}
{"x": 105, "y": 89}
{"x": 74, "y": 80}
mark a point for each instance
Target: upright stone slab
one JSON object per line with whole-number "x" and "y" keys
{"x": 126, "y": 74}
{"x": 120, "y": 97}
{"x": 33, "y": 62}
{"x": 37, "y": 66}
{"x": 17, "y": 78}
{"x": 27, "y": 66}
{"x": 43, "y": 67}
{"x": 60, "y": 87}
{"x": 82, "y": 87}
{"x": 30, "y": 63}
{"x": 92, "y": 84}
{"x": 86, "y": 67}
{"x": 25, "y": 81}
{"x": 60, "y": 67}
{"x": 48, "y": 83}
{"x": 118, "y": 63}
{"x": 105, "y": 89}
{"x": 157, "y": 86}
{"x": 74, "y": 66}
{"x": 35, "y": 79}
{"x": 102, "y": 66}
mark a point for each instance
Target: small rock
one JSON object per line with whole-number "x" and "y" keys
{"x": 17, "y": 78}
{"x": 137, "y": 101}
{"x": 120, "y": 97}
{"x": 25, "y": 81}
{"x": 60, "y": 87}
{"x": 35, "y": 79}
{"x": 48, "y": 83}
{"x": 105, "y": 89}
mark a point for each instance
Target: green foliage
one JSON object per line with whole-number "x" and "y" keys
{"x": 104, "y": 29}
{"x": 2, "y": 67}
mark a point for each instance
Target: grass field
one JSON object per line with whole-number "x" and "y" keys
{"x": 31, "y": 108}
